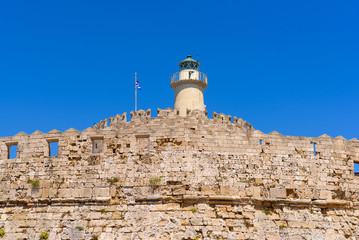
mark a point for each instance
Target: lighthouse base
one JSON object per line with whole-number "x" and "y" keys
{"x": 189, "y": 96}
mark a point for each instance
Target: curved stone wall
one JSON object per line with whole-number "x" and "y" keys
{"x": 173, "y": 177}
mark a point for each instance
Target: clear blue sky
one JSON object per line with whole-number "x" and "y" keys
{"x": 286, "y": 66}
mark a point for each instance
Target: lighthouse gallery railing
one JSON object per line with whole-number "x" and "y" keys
{"x": 187, "y": 76}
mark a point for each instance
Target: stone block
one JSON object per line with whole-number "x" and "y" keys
{"x": 209, "y": 190}
{"x": 64, "y": 193}
{"x": 325, "y": 194}
{"x": 256, "y": 192}
{"x": 278, "y": 193}
{"x": 258, "y": 181}
{"x": 248, "y": 215}
{"x": 179, "y": 190}
{"x": 101, "y": 192}
{"x": 272, "y": 236}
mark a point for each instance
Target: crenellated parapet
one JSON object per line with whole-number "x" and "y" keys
{"x": 101, "y": 124}
{"x": 118, "y": 120}
{"x": 140, "y": 115}
{"x": 167, "y": 113}
{"x": 197, "y": 114}
{"x": 243, "y": 124}
{"x": 38, "y": 143}
{"x": 221, "y": 118}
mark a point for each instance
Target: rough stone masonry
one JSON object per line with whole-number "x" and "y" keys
{"x": 175, "y": 177}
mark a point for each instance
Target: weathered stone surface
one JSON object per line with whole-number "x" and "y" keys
{"x": 176, "y": 177}
{"x": 325, "y": 194}
{"x": 278, "y": 193}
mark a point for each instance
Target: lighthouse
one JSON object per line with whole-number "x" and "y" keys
{"x": 189, "y": 84}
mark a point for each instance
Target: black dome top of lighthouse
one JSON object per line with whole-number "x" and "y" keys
{"x": 189, "y": 63}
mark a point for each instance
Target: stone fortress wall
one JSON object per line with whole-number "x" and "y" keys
{"x": 174, "y": 177}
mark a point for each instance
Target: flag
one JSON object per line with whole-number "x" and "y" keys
{"x": 138, "y": 85}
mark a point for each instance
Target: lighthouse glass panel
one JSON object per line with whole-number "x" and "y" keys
{"x": 189, "y": 65}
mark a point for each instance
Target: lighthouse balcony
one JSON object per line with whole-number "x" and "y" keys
{"x": 194, "y": 77}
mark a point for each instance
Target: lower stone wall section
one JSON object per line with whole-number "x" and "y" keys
{"x": 149, "y": 219}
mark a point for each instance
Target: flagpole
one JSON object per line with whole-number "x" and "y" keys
{"x": 135, "y": 92}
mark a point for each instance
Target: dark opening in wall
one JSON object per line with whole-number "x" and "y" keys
{"x": 356, "y": 169}
{"x": 97, "y": 144}
{"x": 12, "y": 150}
{"x": 314, "y": 149}
{"x": 53, "y": 147}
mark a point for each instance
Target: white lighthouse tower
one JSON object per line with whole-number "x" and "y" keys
{"x": 189, "y": 84}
